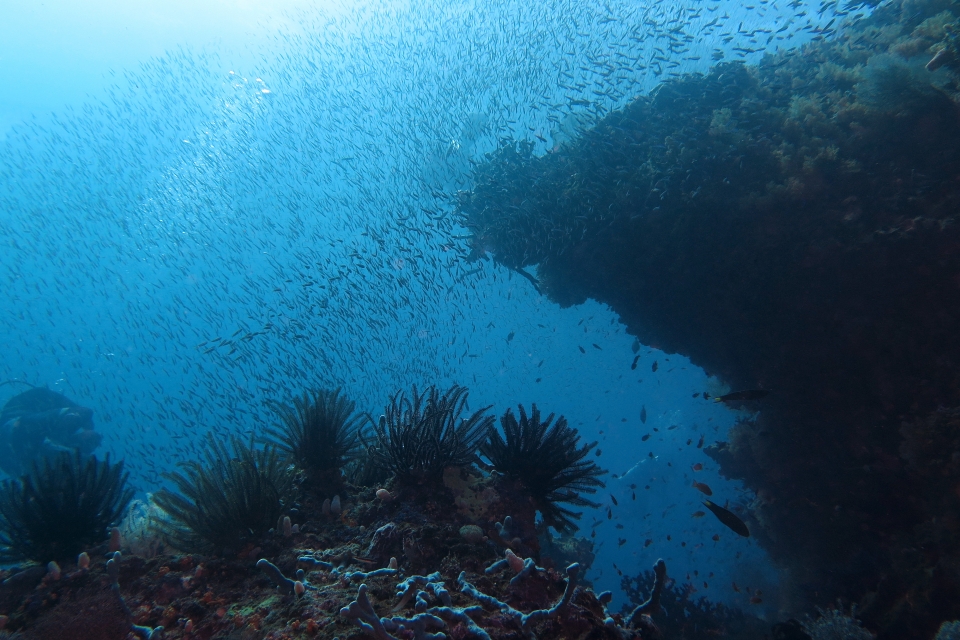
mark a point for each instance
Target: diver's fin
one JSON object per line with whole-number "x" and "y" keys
{"x": 32, "y": 386}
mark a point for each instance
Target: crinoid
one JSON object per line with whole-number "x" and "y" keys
{"x": 64, "y": 505}
{"x": 231, "y": 496}
{"x": 320, "y": 434}
{"x": 547, "y": 461}
{"x": 364, "y": 471}
{"x": 418, "y": 437}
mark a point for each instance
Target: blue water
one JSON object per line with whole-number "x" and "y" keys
{"x": 207, "y": 208}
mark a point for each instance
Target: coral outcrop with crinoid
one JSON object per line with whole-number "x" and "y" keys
{"x": 422, "y": 434}
{"x": 546, "y": 457}
{"x": 321, "y": 435}
{"x": 231, "y": 496}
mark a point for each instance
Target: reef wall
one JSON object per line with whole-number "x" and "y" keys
{"x": 791, "y": 226}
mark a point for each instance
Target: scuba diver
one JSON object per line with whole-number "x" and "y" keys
{"x": 40, "y": 423}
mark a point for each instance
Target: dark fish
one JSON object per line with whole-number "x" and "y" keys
{"x": 613, "y": 499}
{"x": 510, "y": 337}
{"x": 654, "y": 367}
{"x": 696, "y": 395}
{"x": 582, "y": 350}
{"x": 596, "y": 346}
{"x": 700, "y": 443}
{"x": 643, "y": 414}
{"x": 634, "y": 365}
{"x": 728, "y": 518}
{"x": 743, "y": 396}
{"x": 645, "y": 437}
{"x": 635, "y": 347}
{"x": 702, "y": 488}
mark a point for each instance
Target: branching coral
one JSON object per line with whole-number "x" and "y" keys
{"x": 229, "y": 497}
{"x": 60, "y": 507}
{"x": 418, "y": 437}
{"x": 547, "y": 461}
{"x": 688, "y": 617}
{"x": 321, "y": 434}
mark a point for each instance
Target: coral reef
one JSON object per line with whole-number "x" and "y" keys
{"x": 226, "y": 499}
{"x": 547, "y": 461}
{"x": 328, "y": 575}
{"x": 359, "y": 574}
{"x": 320, "y": 434}
{"x": 64, "y": 505}
{"x": 792, "y": 226}
{"x": 835, "y": 624}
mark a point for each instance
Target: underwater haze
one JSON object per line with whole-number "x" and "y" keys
{"x": 207, "y": 209}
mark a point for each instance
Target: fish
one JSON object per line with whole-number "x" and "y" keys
{"x": 728, "y": 518}
{"x": 613, "y": 499}
{"x": 643, "y": 414}
{"x": 702, "y": 488}
{"x": 633, "y": 366}
{"x": 654, "y": 366}
{"x": 510, "y": 337}
{"x": 742, "y": 396}
{"x": 697, "y": 467}
{"x": 645, "y": 437}
{"x": 635, "y": 347}
{"x": 700, "y": 443}
{"x": 699, "y": 514}
{"x": 582, "y": 350}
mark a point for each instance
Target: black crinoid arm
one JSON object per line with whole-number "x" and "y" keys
{"x": 320, "y": 434}
{"x": 548, "y": 461}
{"x": 422, "y": 434}
{"x": 63, "y": 506}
